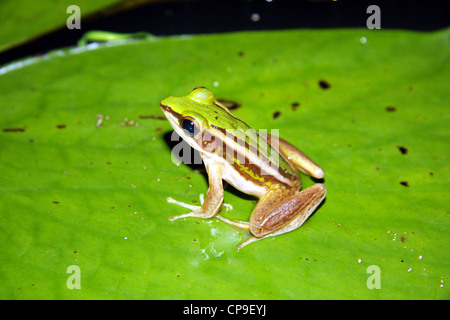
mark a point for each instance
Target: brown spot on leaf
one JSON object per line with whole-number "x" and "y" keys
{"x": 276, "y": 114}
{"x": 391, "y": 109}
{"x": 13, "y": 129}
{"x": 229, "y": 104}
{"x": 152, "y": 117}
{"x": 295, "y": 105}
{"x": 60, "y": 126}
{"x": 324, "y": 84}
{"x": 404, "y": 183}
{"x": 403, "y": 150}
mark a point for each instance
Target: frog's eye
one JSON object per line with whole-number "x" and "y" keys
{"x": 190, "y": 126}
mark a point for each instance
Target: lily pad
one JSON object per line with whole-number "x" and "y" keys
{"x": 25, "y": 20}
{"x": 85, "y": 160}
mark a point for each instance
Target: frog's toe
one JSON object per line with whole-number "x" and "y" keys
{"x": 181, "y": 216}
{"x": 182, "y": 204}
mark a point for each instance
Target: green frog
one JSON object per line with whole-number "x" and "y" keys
{"x": 255, "y": 163}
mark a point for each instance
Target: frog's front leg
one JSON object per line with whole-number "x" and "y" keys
{"x": 214, "y": 197}
{"x": 279, "y": 211}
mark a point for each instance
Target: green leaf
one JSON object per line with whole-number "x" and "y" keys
{"x": 23, "y": 20}
{"x": 370, "y": 106}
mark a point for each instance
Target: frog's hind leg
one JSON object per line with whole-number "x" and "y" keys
{"x": 272, "y": 217}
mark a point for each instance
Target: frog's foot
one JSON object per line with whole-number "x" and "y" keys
{"x": 196, "y": 210}
{"x": 248, "y": 241}
{"x": 235, "y": 223}
{"x": 227, "y": 206}
{"x": 182, "y": 204}
{"x": 241, "y": 225}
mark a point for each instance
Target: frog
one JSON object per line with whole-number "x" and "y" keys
{"x": 254, "y": 162}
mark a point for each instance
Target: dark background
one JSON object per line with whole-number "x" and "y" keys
{"x": 193, "y": 17}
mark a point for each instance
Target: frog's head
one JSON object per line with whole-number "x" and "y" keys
{"x": 190, "y": 115}
{"x": 202, "y": 121}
